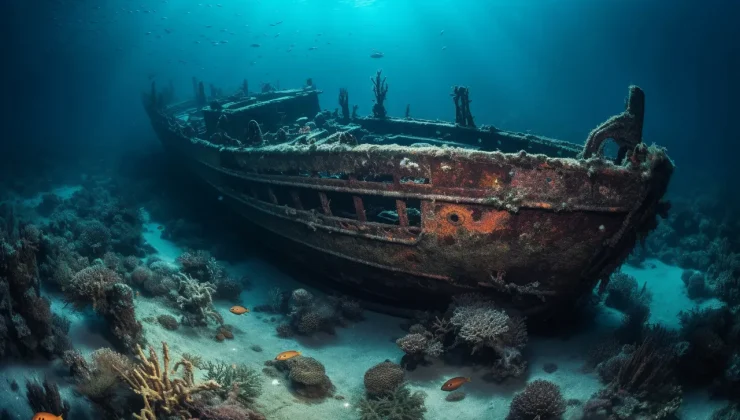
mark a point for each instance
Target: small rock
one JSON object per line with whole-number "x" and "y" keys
{"x": 550, "y": 367}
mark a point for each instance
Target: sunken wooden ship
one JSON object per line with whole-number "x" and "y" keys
{"x": 407, "y": 211}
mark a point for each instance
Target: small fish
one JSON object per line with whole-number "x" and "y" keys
{"x": 442, "y": 32}
{"x": 377, "y": 54}
{"x": 287, "y": 355}
{"x": 313, "y": 48}
{"x": 160, "y": 227}
{"x": 221, "y": 197}
{"x": 255, "y": 45}
{"x": 454, "y": 383}
{"x": 46, "y": 416}
{"x": 238, "y": 310}
{"x": 444, "y": 48}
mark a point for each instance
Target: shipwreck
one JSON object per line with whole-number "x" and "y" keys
{"x": 402, "y": 210}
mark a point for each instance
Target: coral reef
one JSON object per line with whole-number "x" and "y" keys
{"x": 46, "y": 398}
{"x": 622, "y": 292}
{"x": 309, "y": 315}
{"x": 383, "y": 378}
{"x": 195, "y": 299}
{"x": 99, "y": 380}
{"x": 163, "y": 395}
{"x": 27, "y": 325}
{"x": 540, "y": 400}
{"x": 401, "y": 404}
{"x": 101, "y": 288}
{"x": 380, "y": 90}
{"x": 642, "y": 380}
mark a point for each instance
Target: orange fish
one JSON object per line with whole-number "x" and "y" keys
{"x": 238, "y": 310}
{"x": 46, "y": 416}
{"x": 287, "y": 355}
{"x": 454, "y": 383}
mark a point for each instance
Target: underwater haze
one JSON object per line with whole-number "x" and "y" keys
{"x": 150, "y": 263}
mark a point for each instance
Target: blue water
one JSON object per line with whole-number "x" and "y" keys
{"x": 73, "y": 125}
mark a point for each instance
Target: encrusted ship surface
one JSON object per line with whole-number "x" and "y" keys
{"x": 406, "y": 209}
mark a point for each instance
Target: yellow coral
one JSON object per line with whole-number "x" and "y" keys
{"x": 154, "y": 384}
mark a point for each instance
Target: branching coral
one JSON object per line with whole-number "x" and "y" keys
{"x": 196, "y": 300}
{"x": 89, "y": 286}
{"x": 163, "y": 395}
{"x": 401, "y": 404}
{"x": 380, "y": 89}
{"x": 622, "y": 292}
{"x": 245, "y": 379}
{"x": 479, "y": 324}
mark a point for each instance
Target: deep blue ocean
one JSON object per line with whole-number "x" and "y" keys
{"x": 108, "y": 242}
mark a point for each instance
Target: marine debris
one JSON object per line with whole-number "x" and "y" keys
{"x": 380, "y": 89}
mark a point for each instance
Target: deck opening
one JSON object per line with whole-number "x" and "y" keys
{"x": 334, "y": 175}
{"x": 414, "y": 180}
{"x": 311, "y": 201}
{"x": 391, "y": 211}
{"x": 342, "y": 204}
{"x": 282, "y": 194}
{"x": 381, "y": 178}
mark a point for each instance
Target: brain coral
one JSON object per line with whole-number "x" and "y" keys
{"x": 383, "y": 378}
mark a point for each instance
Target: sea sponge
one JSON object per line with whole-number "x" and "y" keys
{"x": 540, "y": 400}
{"x": 308, "y": 377}
{"x": 383, "y": 378}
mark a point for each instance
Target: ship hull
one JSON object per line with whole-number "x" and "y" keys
{"x": 413, "y": 224}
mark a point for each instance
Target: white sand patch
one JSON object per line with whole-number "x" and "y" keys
{"x": 669, "y": 292}
{"x": 166, "y": 249}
